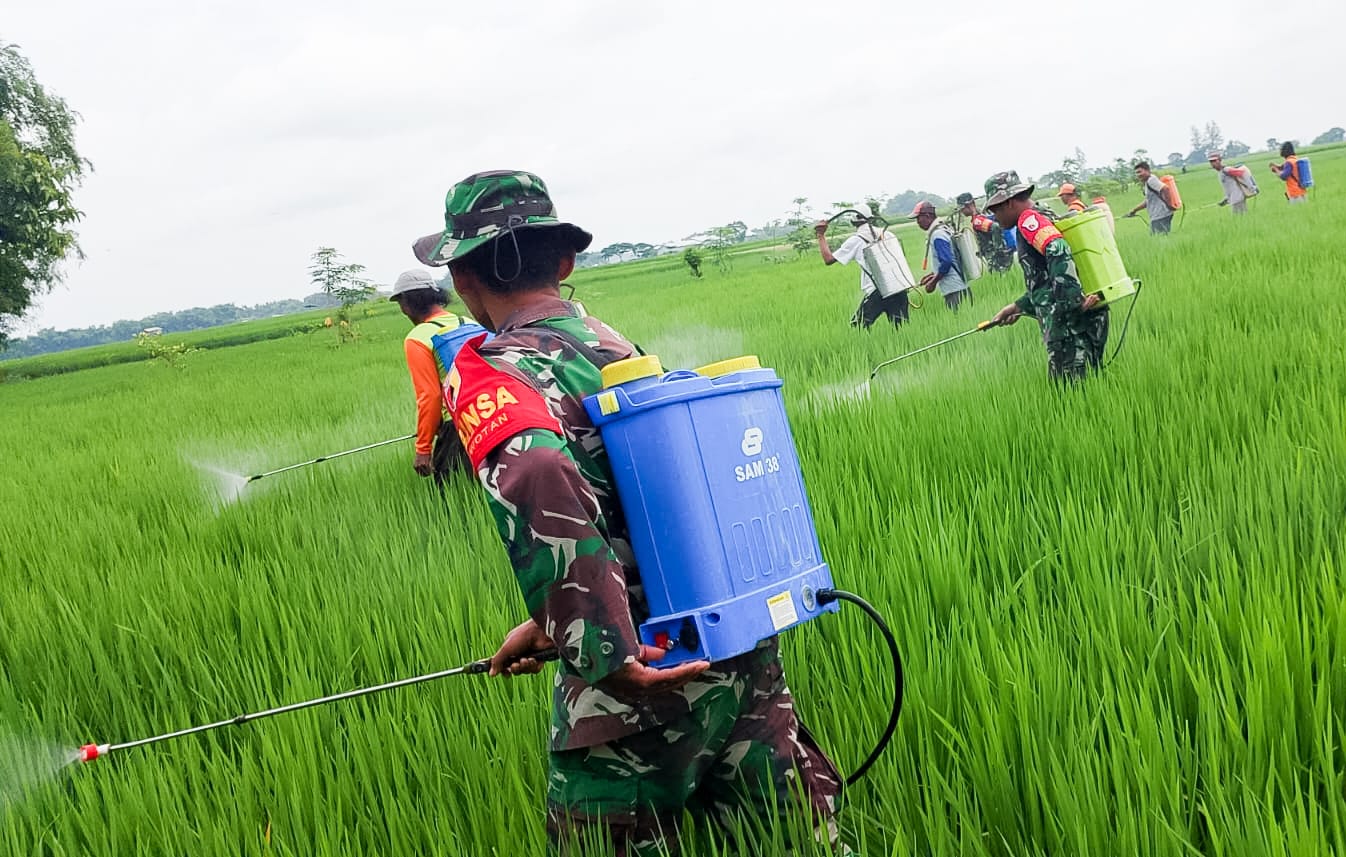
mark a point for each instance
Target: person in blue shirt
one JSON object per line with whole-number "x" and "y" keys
{"x": 947, "y": 275}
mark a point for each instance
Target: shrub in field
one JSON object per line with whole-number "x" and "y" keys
{"x": 163, "y": 351}
{"x": 692, "y": 257}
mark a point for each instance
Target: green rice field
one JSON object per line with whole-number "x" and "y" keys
{"x": 1122, "y": 606}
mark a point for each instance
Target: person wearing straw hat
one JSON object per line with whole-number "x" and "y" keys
{"x": 632, "y": 747}
{"x": 1074, "y": 329}
{"x": 438, "y": 449}
{"x": 1071, "y": 198}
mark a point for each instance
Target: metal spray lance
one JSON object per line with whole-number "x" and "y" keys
{"x": 985, "y": 325}
{"x": 323, "y": 458}
{"x": 89, "y": 752}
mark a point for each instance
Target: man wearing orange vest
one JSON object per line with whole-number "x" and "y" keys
{"x": 1071, "y": 198}
{"x": 1288, "y": 172}
{"x": 421, "y": 300}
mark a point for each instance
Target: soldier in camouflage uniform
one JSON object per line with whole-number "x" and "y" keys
{"x": 1073, "y": 329}
{"x": 990, "y": 237}
{"x": 631, "y": 746}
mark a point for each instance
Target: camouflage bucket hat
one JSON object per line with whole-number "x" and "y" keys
{"x": 1003, "y": 186}
{"x": 486, "y": 205}
{"x": 963, "y": 199}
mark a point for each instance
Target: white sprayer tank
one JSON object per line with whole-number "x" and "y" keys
{"x": 887, "y": 264}
{"x": 965, "y": 246}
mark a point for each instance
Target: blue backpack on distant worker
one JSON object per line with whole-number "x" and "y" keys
{"x": 451, "y": 339}
{"x": 1303, "y": 173}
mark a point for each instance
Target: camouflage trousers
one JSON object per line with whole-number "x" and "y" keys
{"x": 1077, "y": 348}
{"x": 995, "y": 254}
{"x": 740, "y": 757}
{"x": 1000, "y": 261}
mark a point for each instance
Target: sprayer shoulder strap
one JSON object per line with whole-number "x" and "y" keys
{"x": 587, "y": 351}
{"x": 930, "y": 245}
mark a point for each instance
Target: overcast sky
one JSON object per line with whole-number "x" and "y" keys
{"x": 231, "y": 139}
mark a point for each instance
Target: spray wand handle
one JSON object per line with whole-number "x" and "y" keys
{"x": 484, "y": 665}
{"x": 987, "y": 325}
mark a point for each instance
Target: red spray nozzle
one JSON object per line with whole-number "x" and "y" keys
{"x": 89, "y": 752}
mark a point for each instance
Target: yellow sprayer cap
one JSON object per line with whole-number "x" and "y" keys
{"x": 733, "y": 364}
{"x": 631, "y": 369}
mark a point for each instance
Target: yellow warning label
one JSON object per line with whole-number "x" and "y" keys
{"x": 782, "y": 608}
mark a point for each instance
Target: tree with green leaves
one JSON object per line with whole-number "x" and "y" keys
{"x": 616, "y": 251}
{"x": 801, "y": 227}
{"x": 1331, "y": 135}
{"x": 721, "y": 239}
{"x": 39, "y": 172}
{"x": 344, "y": 281}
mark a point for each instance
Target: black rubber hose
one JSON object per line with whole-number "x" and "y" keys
{"x": 827, "y": 596}
{"x": 1126, "y": 324}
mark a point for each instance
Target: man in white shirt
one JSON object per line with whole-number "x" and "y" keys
{"x": 872, "y": 302}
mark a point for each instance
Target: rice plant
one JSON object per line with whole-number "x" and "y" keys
{"x": 1121, "y": 606}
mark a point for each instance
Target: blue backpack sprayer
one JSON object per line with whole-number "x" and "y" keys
{"x": 710, "y": 484}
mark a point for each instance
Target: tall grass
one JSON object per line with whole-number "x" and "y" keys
{"x": 1121, "y": 606}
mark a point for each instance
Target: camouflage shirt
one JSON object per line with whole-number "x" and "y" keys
{"x": 991, "y": 242}
{"x": 517, "y": 402}
{"x": 1054, "y": 295}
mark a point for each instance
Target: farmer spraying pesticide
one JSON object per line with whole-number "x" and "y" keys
{"x": 1074, "y": 331}
{"x": 1159, "y": 203}
{"x": 1238, "y": 183}
{"x": 1293, "y": 171}
{"x": 632, "y": 746}
{"x": 947, "y": 275}
{"x": 884, "y": 276}
{"x": 421, "y": 300}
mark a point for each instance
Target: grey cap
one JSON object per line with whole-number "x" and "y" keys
{"x": 412, "y": 281}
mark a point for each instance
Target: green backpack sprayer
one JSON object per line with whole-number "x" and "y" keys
{"x": 727, "y": 559}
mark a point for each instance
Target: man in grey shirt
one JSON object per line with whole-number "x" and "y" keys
{"x": 1238, "y": 183}
{"x": 1158, "y": 202}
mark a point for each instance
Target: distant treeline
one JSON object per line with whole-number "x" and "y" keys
{"x": 49, "y": 340}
